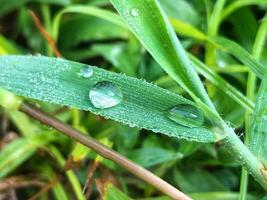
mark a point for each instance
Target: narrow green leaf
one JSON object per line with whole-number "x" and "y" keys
{"x": 258, "y": 131}
{"x": 223, "y": 85}
{"x": 232, "y": 7}
{"x": 7, "y": 6}
{"x": 112, "y": 193}
{"x": 20, "y": 150}
{"x": 76, "y": 186}
{"x": 8, "y": 46}
{"x": 151, "y": 26}
{"x": 241, "y": 54}
{"x": 88, "y": 10}
{"x": 148, "y": 156}
{"x": 222, "y": 43}
{"x": 58, "y": 81}
{"x": 186, "y": 29}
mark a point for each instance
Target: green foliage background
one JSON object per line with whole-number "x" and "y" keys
{"x": 92, "y": 32}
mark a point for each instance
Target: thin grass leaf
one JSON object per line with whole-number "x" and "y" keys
{"x": 18, "y": 151}
{"x": 76, "y": 186}
{"x": 7, "y": 46}
{"x": 151, "y": 26}
{"x": 221, "y": 43}
{"x": 232, "y": 7}
{"x": 223, "y": 85}
{"x": 185, "y": 29}
{"x": 241, "y": 54}
{"x": 7, "y": 6}
{"x": 112, "y": 193}
{"x": 88, "y": 10}
{"x": 258, "y": 131}
{"x": 150, "y": 156}
{"x": 58, "y": 189}
{"x": 58, "y": 81}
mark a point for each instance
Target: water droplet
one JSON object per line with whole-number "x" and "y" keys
{"x": 186, "y": 115}
{"x": 86, "y": 71}
{"x": 105, "y": 95}
{"x": 135, "y": 12}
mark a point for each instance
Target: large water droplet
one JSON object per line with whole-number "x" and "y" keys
{"x": 186, "y": 115}
{"x": 86, "y": 71}
{"x": 105, "y": 95}
{"x": 135, "y": 12}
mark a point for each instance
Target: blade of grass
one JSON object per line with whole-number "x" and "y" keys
{"x": 213, "y": 26}
{"x": 89, "y": 10}
{"x": 232, "y": 7}
{"x": 70, "y": 173}
{"x": 241, "y": 54}
{"x": 182, "y": 28}
{"x": 18, "y": 151}
{"x": 149, "y": 23}
{"x": 57, "y": 81}
{"x": 221, "y": 43}
{"x": 159, "y": 39}
{"x": 223, "y": 85}
{"x": 254, "y": 137}
{"x": 258, "y": 131}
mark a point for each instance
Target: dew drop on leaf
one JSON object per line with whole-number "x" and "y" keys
{"x": 186, "y": 115}
{"x": 86, "y": 71}
{"x": 134, "y": 12}
{"x": 105, "y": 95}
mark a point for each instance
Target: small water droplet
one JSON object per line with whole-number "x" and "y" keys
{"x": 86, "y": 71}
{"x": 186, "y": 115}
{"x": 134, "y": 12}
{"x": 105, "y": 95}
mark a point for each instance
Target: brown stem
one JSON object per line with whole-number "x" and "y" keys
{"x": 45, "y": 34}
{"x": 106, "y": 152}
{"x": 87, "y": 189}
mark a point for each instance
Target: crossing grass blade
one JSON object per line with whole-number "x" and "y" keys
{"x": 57, "y": 81}
{"x": 221, "y": 43}
{"x": 151, "y": 26}
{"x": 223, "y": 85}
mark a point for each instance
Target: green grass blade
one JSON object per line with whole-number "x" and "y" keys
{"x": 232, "y": 7}
{"x": 223, "y": 85}
{"x": 241, "y": 54}
{"x": 222, "y": 43}
{"x": 88, "y": 10}
{"x": 7, "y": 6}
{"x": 258, "y": 132}
{"x": 18, "y": 151}
{"x": 112, "y": 193}
{"x": 76, "y": 186}
{"x": 57, "y": 81}
{"x": 185, "y": 29}
{"x": 151, "y": 26}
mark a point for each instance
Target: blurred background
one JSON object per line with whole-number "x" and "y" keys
{"x": 35, "y": 164}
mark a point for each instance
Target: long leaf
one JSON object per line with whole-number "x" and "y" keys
{"x": 241, "y": 54}
{"x": 239, "y": 4}
{"x": 57, "y": 81}
{"x": 258, "y": 132}
{"x": 151, "y": 26}
{"x": 223, "y": 85}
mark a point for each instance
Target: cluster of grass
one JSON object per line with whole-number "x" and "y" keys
{"x": 191, "y": 110}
